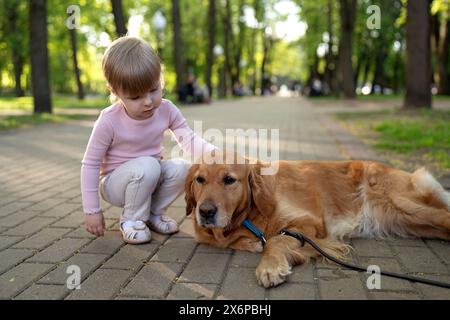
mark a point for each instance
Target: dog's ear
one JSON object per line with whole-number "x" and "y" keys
{"x": 191, "y": 203}
{"x": 262, "y": 190}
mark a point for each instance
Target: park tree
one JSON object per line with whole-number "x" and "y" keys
{"x": 119, "y": 17}
{"x": 76, "y": 68}
{"x": 441, "y": 44}
{"x": 211, "y": 27}
{"x": 178, "y": 59}
{"x": 40, "y": 77}
{"x": 418, "y": 57}
{"x": 15, "y": 26}
{"x": 347, "y": 11}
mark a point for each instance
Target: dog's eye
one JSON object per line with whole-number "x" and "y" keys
{"x": 200, "y": 179}
{"x": 229, "y": 180}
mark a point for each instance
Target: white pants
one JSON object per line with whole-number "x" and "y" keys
{"x": 144, "y": 185}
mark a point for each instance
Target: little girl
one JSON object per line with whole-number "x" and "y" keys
{"x": 123, "y": 157}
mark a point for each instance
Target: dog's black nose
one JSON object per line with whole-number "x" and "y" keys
{"x": 207, "y": 210}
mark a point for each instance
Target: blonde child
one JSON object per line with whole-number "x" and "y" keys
{"x": 123, "y": 157}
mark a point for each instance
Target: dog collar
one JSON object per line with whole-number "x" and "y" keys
{"x": 254, "y": 229}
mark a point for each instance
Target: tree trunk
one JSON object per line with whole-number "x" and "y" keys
{"x": 348, "y": 15}
{"x": 418, "y": 59}
{"x": 228, "y": 42}
{"x": 180, "y": 68}
{"x": 397, "y": 65}
{"x": 379, "y": 74}
{"x": 39, "y": 57}
{"x": 119, "y": 17}
{"x": 73, "y": 43}
{"x": 11, "y": 26}
{"x": 442, "y": 52}
{"x": 211, "y": 44}
{"x": 252, "y": 62}
{"x": 329, "y": 58}
{"x": 239, "y": 42}
{"x": 266, "y": 48}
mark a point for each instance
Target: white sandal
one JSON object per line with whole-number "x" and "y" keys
{"x": 136, "y": 234}
{"x": 162, "y": 224}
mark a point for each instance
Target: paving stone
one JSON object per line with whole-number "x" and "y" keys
{"x": 293, "y": 291}
{"x": 108, "y": 244}
{"x": 212, "y": 266}
{"x": 16, "y": 218}
{"x": 14, "y": 207}
{"x": 387, "y": 265}
{"x": 175, "y": 250}
{"x": 159, "y": 237}
{"x": 177, "y": 213}
{"x": 204, "y": 248}
{"x": 131, "y": 256}
{"x": 113, "y": 213}
{"x": 20, "y": 277}
{"x": 179, "y": 202}
{"x": 30, "y": 226}
{"x": 433, "y": 292}
{"x": 192, "y": 291}
{"x": 241, "y": 284}
{"x": 43, "y": 292}
{"x": 399, "y": 242}
{"x": 440, "y": 248}
{"x": 69, "y": 194}
{"x": 244, "y": 259}
{"x": 43, "y": 238}
{"x": 45, "y": 205}
{"x": 302, "y": 273}
{"x": 59, "y": 251}
{"x": 4, "y": 200}
{"x": 339, "y": 284}
{"x": 103, "y": 284}
{"x": 10, "y": 257}
{"x": 186, "y": 229}
{"x": 80, "y": 232}
{"x": 420, "y": 259}
{"x": 372, "y": 247}
{"x": 85, "y": 261}
{"x": 73, "y": 220}
{"x": 7, "y": 241}
{"x": 153, "y": 280}
{"x": 61, "y": 210}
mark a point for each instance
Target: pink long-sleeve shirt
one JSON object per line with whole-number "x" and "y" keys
{"x": 117, "y": 138}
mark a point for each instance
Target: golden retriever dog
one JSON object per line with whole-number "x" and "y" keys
{"x": 325, "y": 200}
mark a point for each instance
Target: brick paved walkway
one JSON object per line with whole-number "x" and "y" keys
{"x": 41, "y": 231}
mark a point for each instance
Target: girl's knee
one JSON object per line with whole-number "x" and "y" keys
{"x": 147, "y": 168}
{"x": 176, "y": 169}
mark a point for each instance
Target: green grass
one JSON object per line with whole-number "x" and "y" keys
{"x": 13, "y": 122}
{"x": 424, "y": 133}
{"x": 59, "y": 101}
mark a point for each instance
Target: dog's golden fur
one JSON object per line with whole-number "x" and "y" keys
{"x": 325, "y": 200}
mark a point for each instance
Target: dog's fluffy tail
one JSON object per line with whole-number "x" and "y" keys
{"x": 427, "y": 185}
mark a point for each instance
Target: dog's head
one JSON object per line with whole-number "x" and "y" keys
{"x": 221, "y": 192}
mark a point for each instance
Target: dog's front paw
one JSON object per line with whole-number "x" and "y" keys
{"x": 248, "y": 245}
{"x": 272, "y": 271}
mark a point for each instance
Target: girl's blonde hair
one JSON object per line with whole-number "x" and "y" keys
{"x": 131, "y": 66}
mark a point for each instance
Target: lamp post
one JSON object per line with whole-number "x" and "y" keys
{"x": 159, "y": 22}
{"x": 218, "y": 52}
